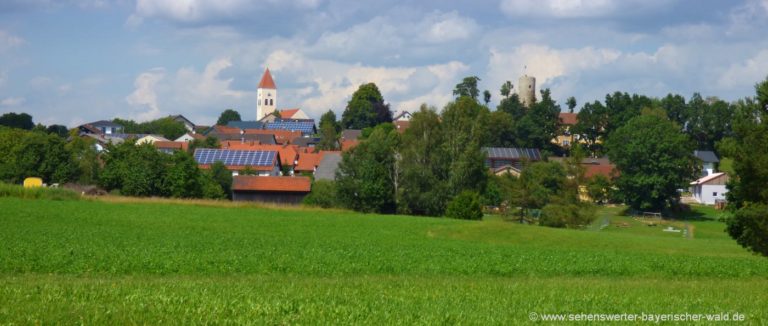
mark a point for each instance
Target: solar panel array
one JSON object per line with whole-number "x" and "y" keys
{"x": 235, "y": 157}
{"x": 306, "y": 127}
{"x": 513, "y": 153}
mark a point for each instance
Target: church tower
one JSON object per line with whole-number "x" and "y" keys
{"x": 526, "y": 89}
{"x": 266, "y": 96}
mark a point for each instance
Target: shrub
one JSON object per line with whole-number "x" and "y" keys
{"x": 9, "y": 190}
{"x": 465, "y": 206}
{"x": 571, "y": 215}
{"x": 323, "y": 195}
{"x": 749, "y": 226}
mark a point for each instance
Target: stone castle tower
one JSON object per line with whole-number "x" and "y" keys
{"x": 526, "y": 90}
{"x": 266, "y": 95}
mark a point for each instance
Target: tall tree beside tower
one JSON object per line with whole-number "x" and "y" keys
{"x": 366, "y": 108}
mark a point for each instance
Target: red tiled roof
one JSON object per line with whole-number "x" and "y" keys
{"x": 288, "y": 113}
{"x": 568, "y": 118}
{"x": 591, "y": 170}
{"x": 266, "y": 80}
{"x": 171, "y": 145}
{"x": 226, "y": 129}
{"x": 255, "y": 183}
{"x": 309, "y": 161}
{"x": 281, "y": 136}
{"x": 348, "y": 144}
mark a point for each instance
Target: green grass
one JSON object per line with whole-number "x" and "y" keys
{"x": 9, "y": 190}
{"x": 106, "y": 263}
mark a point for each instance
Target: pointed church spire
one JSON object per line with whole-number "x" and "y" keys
{"x": 266, "y": 80}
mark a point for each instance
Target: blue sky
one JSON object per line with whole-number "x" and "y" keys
{"x": 74, "y": 61}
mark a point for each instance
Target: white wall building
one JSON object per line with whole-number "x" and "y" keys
{"x": 708, "y": 189}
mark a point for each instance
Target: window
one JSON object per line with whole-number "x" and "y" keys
{"x": 566, "y": 143}
{"x": 714, "y": 194}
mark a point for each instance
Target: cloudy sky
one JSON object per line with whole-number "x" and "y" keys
{"x": 73, "y": 61}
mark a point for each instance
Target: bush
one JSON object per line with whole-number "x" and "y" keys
{"x": 571, "y": 215}
{"x": 749, "y": 226}
{"x": 323, "y": 195}
{"x": 9, "y": 190}
{"x": 465, "y": 206}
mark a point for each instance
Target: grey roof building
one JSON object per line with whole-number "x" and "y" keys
{"x": 328, "y": 166}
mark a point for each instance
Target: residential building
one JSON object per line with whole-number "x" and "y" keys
{"x": 328, "y": 166}
{"x": 169, "y": 147}
{"x": 263, "y": 163}
{"x": 102, "y": 126}
{"x": 710, "y": 189}
{"x": 565, "y": 136}
{"x": 708, "y": 162}
{"x": 149, "y": 139}
{"x": 187, "y": 124}
{"x": 516, "y": 157}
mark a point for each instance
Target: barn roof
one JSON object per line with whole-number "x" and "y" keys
{"x": 279, "y": 184}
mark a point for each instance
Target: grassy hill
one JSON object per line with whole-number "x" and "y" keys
{"x": 104, "y": 262}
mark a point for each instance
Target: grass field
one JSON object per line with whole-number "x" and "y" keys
{"x": 92, "y": 261}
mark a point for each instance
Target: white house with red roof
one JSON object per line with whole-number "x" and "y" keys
{"x": 709, "y": 189}
{"x": 266, "y": 94}
{"x": 296, "y": 114}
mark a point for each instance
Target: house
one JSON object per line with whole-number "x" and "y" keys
{"x": 711, "y": 188}
{"x": 308, "y": 162}
{"x": 187, "y": 124}
{"x": 348, "y": 144}
{"x": 401, "y": 126}
{"x": 307, "y": 142}
{"x": 500, "y": 156}
{"x": 565, "y": 137}
{"x": 328, "y": 166}
{"x": 242, "y": 125}
{"x": 351, "y": 134}
{"x": 307, "y": 128}
{"x": 169, "y": 147}
{"x": 189, "y": 137}
{"x": 708, "y": 162}
{"x": 103, "y": 127}
{"x": 279, "y": 190}
{"x": 402, "y": 116}
{"x": 102, "y": 140}
{"x": 282, "y": 137}
{"x": 149, "y": 139}
{"x": 289, "y": 154}
{"x": 263, "y": 163}
{"x": 295, "y": 114}
{"x": 507, "y": 169}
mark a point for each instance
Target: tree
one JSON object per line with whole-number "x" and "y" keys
{"x": 367, "y": 178}
{"x": 166, "y": 127}
{"x": 34, "y": 154}
{"x": 598, "y": 188}
{"x": 58, "y": 130}
{"x": 540, "y": 124}
{"x": 227, "y": 116}
{"x": 182, "y": 177}
{"x": 501, "y": 130}
{"x": 506, "y": 89}
{"x": 591, "y": 125}
{"x": 747, "y": 194}
{"x": 13, "y": 120}
{"x": 468, "y": 88}
{"x": 464, "y": 128}
{"x": 134, "y": 170}
{"x": 486, "y": 97}
{"x": 329, "y": 132}
{"x": 465, "y": 206}
{"x": 85, "y": 158}
{"x": 223, "y": 177}
{"x": 424, "y": 166}
{"x": 571, "y": 103}
{"x": 366, "y": 108}
{"x": 537, "y": 185}
{"x": 654, "y": 159}
{"x": 323, "y": 195}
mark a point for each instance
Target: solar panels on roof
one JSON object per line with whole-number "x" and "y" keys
{"x": 513, "y": 153}
{"x": 306, "y": 127}
{"x": 235, "y": 157}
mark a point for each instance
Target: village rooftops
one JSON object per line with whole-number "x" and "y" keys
{"x": 706, "y": 156}
{"x": 237, "y": 159}
{"x": 569, "y": 119}
{"x": 709, "y": 178}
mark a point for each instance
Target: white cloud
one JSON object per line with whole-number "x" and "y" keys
{"x": 188, "y": 11}
{"x": 145, "y": 95}
{"x": 448, "y": 27}
{"x": 577, "y": 8}
{"x": 12, "y": 101}
{"x": 746, "y": 74}
{"x": 9, "y": 41}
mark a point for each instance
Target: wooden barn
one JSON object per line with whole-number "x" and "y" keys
{"x": 279, "y": 190}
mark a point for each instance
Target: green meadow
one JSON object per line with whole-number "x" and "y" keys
{"x": 105, "y": 262}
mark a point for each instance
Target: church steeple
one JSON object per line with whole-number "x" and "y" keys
{"x": 266, "y": 96}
